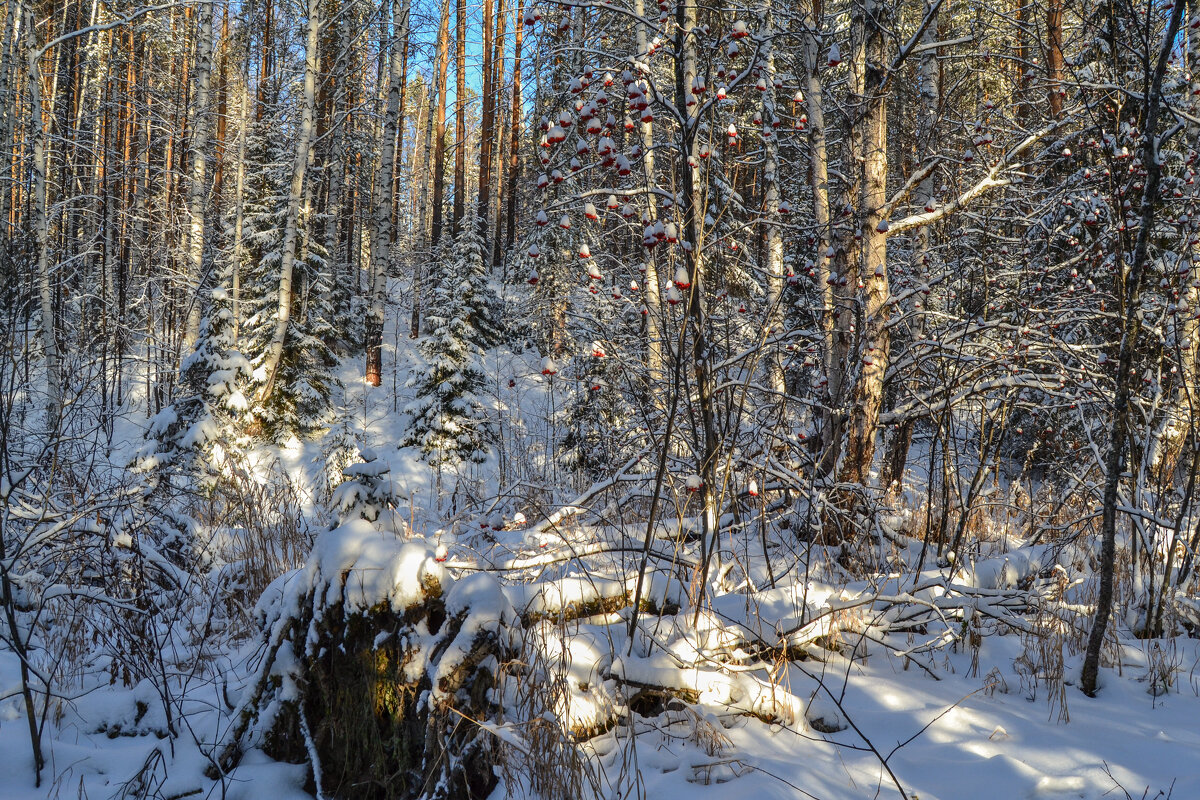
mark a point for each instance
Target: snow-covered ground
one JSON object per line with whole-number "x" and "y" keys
{"x": 982, "y": 705}
{"x": 963, "y": 735}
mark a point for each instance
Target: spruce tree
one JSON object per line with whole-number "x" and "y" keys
{"x": 449, "y": 424}
{"x": 300, "y": 403}
{"x": 483, "y": 306}
{"x": 191, "y": 443}
{"x": 197, "y": 433}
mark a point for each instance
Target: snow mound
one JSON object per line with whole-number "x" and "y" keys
{"x": 359, "y": 567}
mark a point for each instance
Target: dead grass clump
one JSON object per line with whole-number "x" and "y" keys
{"x": 546, "y": 757}
{"x": 259, "y": 531}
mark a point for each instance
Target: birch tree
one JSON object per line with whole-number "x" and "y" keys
{"x": 384, "y": 182}
{"x": 295, "y": 193}
{"x": 196, "y": 196}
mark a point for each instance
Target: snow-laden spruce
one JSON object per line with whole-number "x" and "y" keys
{"x": 463, "y": 317}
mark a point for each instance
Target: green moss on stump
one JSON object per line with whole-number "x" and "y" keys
{"x": 366, "y": 694}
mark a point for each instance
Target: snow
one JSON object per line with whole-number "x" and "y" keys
{"x": 760, "y": 726}
{"x": 480, "y": 600}
{"x": 361, "y": 567}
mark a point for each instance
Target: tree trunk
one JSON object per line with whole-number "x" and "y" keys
{"x": 656, "y": 362}
{"x": 493, "y": 224}
{"x": 198, "y": 115}
{"x": 460, "y": 114}
{"x": 1054, "y": 55}
{"x": 384, "y": 182}
{"x": 295, "y": 192}
{"x": 514, "y": 145}
{"x": 426, "y": 236}
{"x": 8, "y": 124}
{"x": 1130, "y": 328}
{"x": 697, "y": 306}
{"x": 845, "y": 266}
{"x": 819, "y": 182}
{"x": 222, "y": 114}
{"x": 867, "y": 396}
{"x": 41, "y": 219}
{"x": 439, "y": 147}
{"x": 334, "y": 127}
{"x": 773, "y": 261}
{"x": 266, "y": 66}
{"x": 487, "y": 130}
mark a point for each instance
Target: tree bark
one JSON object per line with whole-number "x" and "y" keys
{"x": 426, "y": 236}
{"x": 867, "y": 395}
{"x": 493, "y": 223}
{"x": 1130, "y": 328}
{"x": 514, "y": 146}
{"x": 384, "y": 182}
{"x": 487, "y": 130}
{"x": 656, "y": 363}
{"x": 41, "y": 219}
{"x": 1054, "y": 55}
{"x": 819, "y": 183}
{"x": 460, "y": 114}
{"x": 335, "y": 127}
{"x": 198, "y": 115}
{"x": 697, "y": 305}
{"x": 774, "y": 235}
{"x": 441, "y": 67}
{"x": 222, "y": 120}
{"x": 295, "y": 192}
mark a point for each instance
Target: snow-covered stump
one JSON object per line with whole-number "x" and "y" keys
{"x": 379, "y": 667}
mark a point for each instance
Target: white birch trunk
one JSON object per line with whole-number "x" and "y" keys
{"x": 195, "y": 198}
{"x": 384, "y": 182}
{"x": 41, "y": 219}
{"x": 867, "y": 393}
{"x": 770, "y": 177}
{"x": 655, "y": 360}
{"x": 819, "y": 179}
{"x": 295, "y": 192}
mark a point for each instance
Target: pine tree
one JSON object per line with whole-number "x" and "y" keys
{"x": 448, "y": 419}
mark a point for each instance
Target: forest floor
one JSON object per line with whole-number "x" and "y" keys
{"x": 971, "y": 734}
{"x": 993, "y": 715}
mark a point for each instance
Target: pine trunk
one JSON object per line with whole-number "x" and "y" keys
{"x": 1054, "y": 55}
{"x": 514, "y": 144}
{"x": 460, "y": 114}
{"x": 439, "y": 146}
{"x": 487, "y": 129}
{"x": 493, "y": 223}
